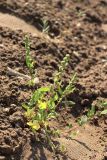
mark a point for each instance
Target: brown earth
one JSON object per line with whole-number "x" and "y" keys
{"x": 78, "y": 28}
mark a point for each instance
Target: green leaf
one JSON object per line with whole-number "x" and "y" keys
{"x": 29, "y": 113}
{"x": 31, "y": 82}
{"x": 104, "y": 104}
{"x": 104, "y": 112}
{"x": 38, "y": 94}
{"x": 69, "y": 125}
{"x": 25, "y": 106}
{"x": 73, "y": 134}
{"x": 52, "y": 115}
{"x": 69, "y": 103}
{"x": 73, "y": 78}
{"x": 56, "y": 97}
{"x": 38, "y": 117}
{"x": 60, "y": 91}
{"x": 44, "y": 89}
{"x": 29, "y": 62}
{"x": 82, "y": 120}
{"x": 35, "y": 97}
{"x": 51, "y": 104}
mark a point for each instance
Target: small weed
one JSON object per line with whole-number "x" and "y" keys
{"x": 30, "y": 62}
{"x": 102, "y": 106}
{"x": 63, "y": 149}
{"x": 44, "y": 101}
{"x": 73, "y": 134}
{"x": 69, "y": 125}
{"x": 104, "y": 111}
{"x": 80, "y": 13}
{"x": 56, "y": 133}
{"x": 45, "y": 26}
{"x": 91, "y": 112}
{"x": 82, "y": 120}
{"x": 85, "y": 118}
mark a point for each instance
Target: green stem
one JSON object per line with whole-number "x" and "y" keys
{"x": 50, "y": 141}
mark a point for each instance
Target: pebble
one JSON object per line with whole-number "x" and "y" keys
{"x": 2, "y": 158}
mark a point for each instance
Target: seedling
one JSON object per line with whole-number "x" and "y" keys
{"x": 69, "y": 125}
{"x": 80, "y": 13}
{"x": 82, "y": 120}
{"x": 41, "y": 108}
{"x": 104, "y": 112}
{"x": 104, "y": 105}
{"x": 91, "y": 112}
{"x": 73, "y": 134}
{"x": 30, "y": 63}
{"x": 45, "y": 26}
{"x": 85, "y": 118}
{"x": 63, "y": 149}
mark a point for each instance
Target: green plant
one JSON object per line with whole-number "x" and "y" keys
{"x": 44, "y": 101}
{"x": 102, "y": 106}
{"x": 91, "y": 112}
{"x": 30, "y": 62}
{"x": 85, "y": 118}
{"x": 73, "y": 134}
{"x": 80, "y": 13}
{"x": 45, "y": 26}
{"x": 104, "y": 111}
{"x": 82, "y": 120}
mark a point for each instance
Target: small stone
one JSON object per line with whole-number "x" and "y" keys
{"x": 6, "y": 109}
{"x": 13, "y": 105}
{"x": 2, "y": 158}
{"x": 78, "y": 24}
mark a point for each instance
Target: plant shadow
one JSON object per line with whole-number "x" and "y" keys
{"x": 42, "y": 151}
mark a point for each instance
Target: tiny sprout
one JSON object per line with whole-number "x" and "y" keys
{"x": 45, "y": 26}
